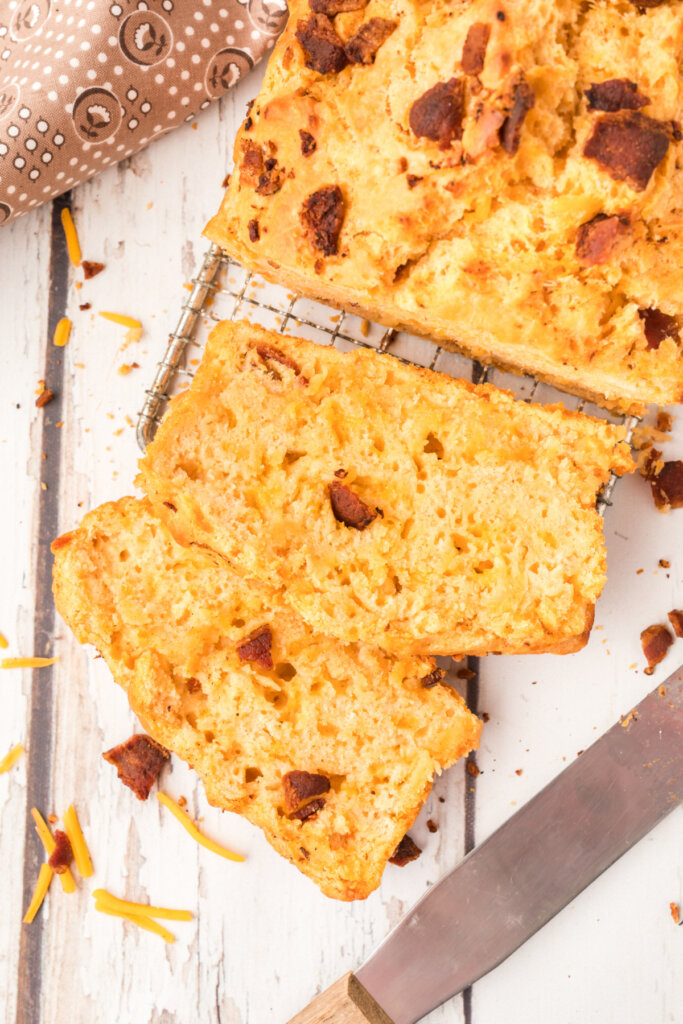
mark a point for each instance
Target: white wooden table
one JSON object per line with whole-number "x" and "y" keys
{"x": 263, "y": 939}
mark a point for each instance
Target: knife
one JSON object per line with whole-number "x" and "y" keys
{"x": 526, "y": 872}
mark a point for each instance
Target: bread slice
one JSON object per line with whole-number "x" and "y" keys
{"x": 174, "y": 626}
{"x": 392, "y": 505}
{"x": 505, "y": 179}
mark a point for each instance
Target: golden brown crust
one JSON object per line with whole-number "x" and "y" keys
{"x": 469, "y": 237}
{"x": 354, "y": 720}
{"x": 479, "y": 529}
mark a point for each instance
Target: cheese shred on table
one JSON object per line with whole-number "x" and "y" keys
{"x": 142, "y": 922}
{"x": 81, "y": 853}
{"x": 62, "y": 332}
{"x": 107, "y": 900}
{"x": 47, "y": 839}
{"x": 4, "y": 642}
{"x": 42, "y": 885}
{"x": 27, "y": 662}
{"x": 194, "y": 831}
{"x": 72, "y": 244}
{"x": 11, "y": 758}
{"x": 119, "y": 318}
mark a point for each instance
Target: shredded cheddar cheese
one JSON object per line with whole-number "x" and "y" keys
{"x": 11, "y": 759}
{"x": 62, "y": 332}
{"x": 81, "y": 853}
{"x": 27, "y": 662}
{"x": 47, "y": 839}
{"x": 142, "y": 922}
{"x": 72, "y": 244}
{"x": 39, "y": 893}
{"x": 119, "y": 318}
{"x": 194, "y": 831}
{"x": 106, "y": 899}
{"x": 4, "y": 643}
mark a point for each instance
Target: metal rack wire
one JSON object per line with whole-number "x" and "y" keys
{"x": 223, "y": 290}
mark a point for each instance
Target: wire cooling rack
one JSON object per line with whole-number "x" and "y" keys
{"x": 224, "y": 290}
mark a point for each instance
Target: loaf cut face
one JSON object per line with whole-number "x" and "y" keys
{"x": 504, "y": 178}
{"x": 329, "y": 748}
{"x": 390, "y": 505}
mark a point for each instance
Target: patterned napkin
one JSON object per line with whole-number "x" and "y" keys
{"x": 86, "y": 83}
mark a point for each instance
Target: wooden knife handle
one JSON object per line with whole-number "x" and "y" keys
{"x": 345, "y": 1002}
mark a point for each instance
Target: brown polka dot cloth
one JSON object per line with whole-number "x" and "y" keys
{"x": 86, "y": 83}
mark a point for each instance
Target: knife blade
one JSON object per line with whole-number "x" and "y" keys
{"x": 524, "y": 873}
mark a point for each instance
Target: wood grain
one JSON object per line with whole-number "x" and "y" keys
{"x": 263, "y": 938}
{"x": 345, "y": 1002}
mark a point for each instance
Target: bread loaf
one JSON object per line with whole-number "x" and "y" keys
{"x": 504, "y": 178}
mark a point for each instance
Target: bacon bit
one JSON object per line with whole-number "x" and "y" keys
{"x": 85, "y": 305}
{"x": 523, "y": 100}
{"x": 332, "y": 7}
{"x": 474, "y": 49}
{"x": 340, "y": 474}
{"x": 658, "y": 326}
{"x": 138, "y": 762}
{"x": 251, "y": 167}
{"x": 11, "y": 758}
{"x": 518, "y": 771}
{"x": 119, "y": 318}
{"x": 675, "y": 913}
{"x": 48, "y": 841}
{"x": 72, "y": 244}
{"x": 27, "y": 662}
{"x": 664, "y": 421}
{"x": 91, "y": 269}
{"x": 433, "y": 679}
{"x": 615, "y": 94}
{"x": 300, "y": 788}
{"x": 413, "y": 180}
{"x": 655, "y": 641}
{"x": 485, "y": 716}
{"x": 597, "y": 238}
{"x": 348, "y": 508}
{"x": 52, "y": 819}
{"x": 193, "y": 686}
{"x": 432, "y": 826}
{"x": 465, "y": 673}
{"x": 170, "y": 505}
{"x": 406, "y": 851}
{"x": 308, "y": 143}
{"x": 182, "y": 802}
{"x": 322, "y": 215}
{"x": 363, "y": 46}
{"x": 323, "y": 49}
{"x": 473, "y": 769}
{"x": 253, "y": 229}
{"x": 62, "y": 855}
{"x": 664, "y": 563}
{"x": 676, "y": 619}
{"x": 666, "y": 481}
{"x": 629, "y": 146}
{"x": 44, "y": 397}
{"x": 258, "y": 647}
{"x": 270, "y": 354}
{"x": 438, "y": 113}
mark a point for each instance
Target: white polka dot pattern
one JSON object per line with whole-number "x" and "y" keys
{"x": 78, "y": 93}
